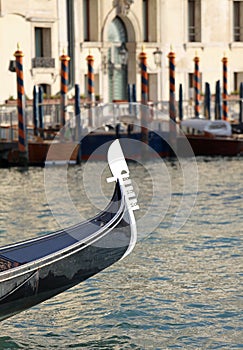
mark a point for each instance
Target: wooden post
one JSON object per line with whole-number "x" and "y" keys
{"x": 197, "y": 86}
{"x": 172, "y": 107}
{"x": 78, "y": 121}
{"x": 64, "y": 87}
{"x": 91, "y": 91}
{"x": 225, "y": 88}
{"x": 171, "y": 57}
{"x": 22, "y": 136}
{"x": 35, "y": 109}
{"x": 144, "y": 95}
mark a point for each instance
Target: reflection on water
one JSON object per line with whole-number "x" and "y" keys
{"x": 176, "y": 290}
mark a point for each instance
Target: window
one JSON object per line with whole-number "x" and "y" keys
{"x": 145, "y": 20}
{"x": 42, "y": 42}
{"x": 238, "y": 78}
{"x": 46, "y": 90}
{"x": 42, "y": 57}
{"x": 238, "y": 20}
{"x": 194, "y": 20}
{"x": 117, "y": 73}
{"x": 86, "y": 20}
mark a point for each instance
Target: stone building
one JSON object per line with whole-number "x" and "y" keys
{"x": 114, "y": 32}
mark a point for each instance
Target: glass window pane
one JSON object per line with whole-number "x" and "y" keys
{"x": 236, "y": 14}
{"x": 38, "y": 42}
{"x": 86, "y": 19}
{"x": 145, "y": 20}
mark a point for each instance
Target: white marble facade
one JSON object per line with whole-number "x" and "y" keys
{"x": 47, "y": 28}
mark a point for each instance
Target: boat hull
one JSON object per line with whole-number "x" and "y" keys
{"x": 38, "y": 153}
{"x": 23, "y": 291}
{"x": 94, "y": 145}
{"x": 211, "y": 146}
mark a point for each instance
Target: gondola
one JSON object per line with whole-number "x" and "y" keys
{"x": 35, "y": 270}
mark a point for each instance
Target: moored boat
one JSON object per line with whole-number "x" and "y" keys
{"x": 210, "y": 138}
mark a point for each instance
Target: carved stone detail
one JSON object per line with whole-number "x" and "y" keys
{"x": 122, "y": 6}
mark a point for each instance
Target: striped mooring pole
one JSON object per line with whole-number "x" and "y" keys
{"x": 91, "y": 91}
{"x": 64, "y": 86}
{"x": 197, "y": 86}
{"x": 144, "y": 77}
{"x": 172, "y": 107}
{"x": 22, "y": 135}
{"x": 172, "y": 112}
{"x": 225, "y": 88}
{"x": 144, "y": 95}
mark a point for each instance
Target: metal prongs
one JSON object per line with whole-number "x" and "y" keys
{"x": 128, "y": 189}
{"x": 130, "y": 194}
{"x": 120, "y": 172}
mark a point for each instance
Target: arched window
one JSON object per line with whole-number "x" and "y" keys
{"x": 117, "y": 72}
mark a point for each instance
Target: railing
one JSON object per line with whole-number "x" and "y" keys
{"x": 104, "y": 116}
{"x": 238, "y": 33}
{"x": 43, "y": 62}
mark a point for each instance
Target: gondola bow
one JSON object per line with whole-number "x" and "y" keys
{"x": 35, "y": 270}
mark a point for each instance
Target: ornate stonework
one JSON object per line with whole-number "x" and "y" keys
{"x": 122, "y": 6}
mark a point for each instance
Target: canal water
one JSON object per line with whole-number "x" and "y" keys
{"x": 181, "y": 287}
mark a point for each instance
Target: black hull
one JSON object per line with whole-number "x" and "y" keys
{"x": 107, "y": 239}
{"x": 57, "y": 277}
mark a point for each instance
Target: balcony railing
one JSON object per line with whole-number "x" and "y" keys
{"x": 238, "y": 33}
{"x": 43, "y": 62}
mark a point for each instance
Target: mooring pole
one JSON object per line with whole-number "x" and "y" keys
{"x": 225, "y": 88}
{"x": 241, "y": 104}
{"x": 91, "y": 89}
{"x": 218, "y": 107}
{"x": 35, "y": 109}
{"x": 207, "y": 101}
{"x": 172, "y": 107}
{"x": 180, "y": 104}
{"x": 22, "y": 134}
{"x": 172, "y": 112}
{"x": 64, "y": 86}
{"x": 144, "y": 95}
{"x": 78, "y": 122}
{"x": 197, "y": 86}
{"x": 41, "y": 111}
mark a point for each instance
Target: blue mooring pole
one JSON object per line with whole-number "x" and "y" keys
{"x": 218, "y": 107}
{"x": 134, "y": 97}
{"x": 241, "y": 104}
{"x": 78, "y": 122}
{"x": 134, "y": 93}
{"x": 180, "y": 103}
{"x": 207, "y": 101}
{"x": 35, "y": 109}
{"x": 41, "y": 111}
{"x": 129, "y": 92}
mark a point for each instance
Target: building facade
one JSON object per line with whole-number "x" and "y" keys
{"x": 106, "y": 29}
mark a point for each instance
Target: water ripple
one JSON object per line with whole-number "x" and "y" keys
{"x": 175, "y": 291}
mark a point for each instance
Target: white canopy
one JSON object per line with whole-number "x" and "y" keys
{"x": 214, "y": 127}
